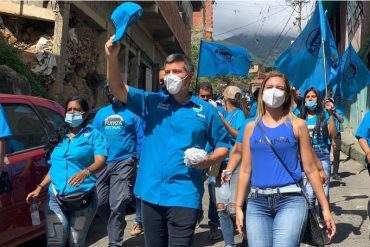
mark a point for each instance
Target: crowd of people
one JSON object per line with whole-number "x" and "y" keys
{"x": 258, "y": 154}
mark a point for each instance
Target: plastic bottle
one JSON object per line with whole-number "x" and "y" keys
{"x": 35, "y": 215}
{"x": 224, "y": 193}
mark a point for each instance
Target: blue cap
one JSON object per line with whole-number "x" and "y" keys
{"x": 123, "y": 16}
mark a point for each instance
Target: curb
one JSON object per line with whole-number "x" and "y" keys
{"x": 352, "y": 149}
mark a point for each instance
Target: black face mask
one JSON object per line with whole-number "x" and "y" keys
{"x": 298, "y": 100}
{"x": 115, "y": 102}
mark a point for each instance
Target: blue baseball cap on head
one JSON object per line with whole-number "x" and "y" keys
{"x": 123, "y": 16}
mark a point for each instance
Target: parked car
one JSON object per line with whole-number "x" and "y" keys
{"x": 32, "y": 121}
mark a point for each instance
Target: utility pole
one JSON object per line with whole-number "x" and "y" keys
{"x": 297, "y": 6}
{"x": 299, "y": 16}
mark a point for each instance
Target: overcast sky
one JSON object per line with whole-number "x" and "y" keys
{"x": 256, "y": 17}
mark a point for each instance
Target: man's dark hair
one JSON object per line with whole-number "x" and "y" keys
{"x": 206, "y": 86}
{"x": 177, "y": 57}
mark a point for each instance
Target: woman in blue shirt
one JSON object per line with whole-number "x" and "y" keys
{"x": 276, "y": 209}
{"x": 79, "y": 154}
{"x": 321, "y": 127}
{"x": 233, "y": 121}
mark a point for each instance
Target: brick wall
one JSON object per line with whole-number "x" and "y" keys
{"x": 171, "y": 14}
{"x": 203, "y": 20}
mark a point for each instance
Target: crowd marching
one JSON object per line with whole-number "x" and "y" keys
{"x": 265, "y": 156}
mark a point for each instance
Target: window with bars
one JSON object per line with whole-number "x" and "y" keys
{"x": 354, "y": 17}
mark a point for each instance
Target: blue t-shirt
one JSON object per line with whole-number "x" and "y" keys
{"x": 296, "y": 111}
{"x": 319, "y": 144}
{"x": 240, "y": 136}
{"x": 236, "y": 119}
{"x": 4, "y": 127}
{"x": 120, "y": 128}
{"x": 171, "y": 128}
{"x": 253, "y": 110}
{"x": 363, "y": 130}
{"x": 267, "y": 171}
{"x": 73, "y": 155}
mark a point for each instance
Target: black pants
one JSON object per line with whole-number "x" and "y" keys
{"x": 168, "y": 226}
{"x": 336, "y": 153}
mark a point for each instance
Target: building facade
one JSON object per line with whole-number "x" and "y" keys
{"x": 164, "y": 28}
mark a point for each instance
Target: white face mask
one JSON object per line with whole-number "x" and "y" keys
{"x": 273, "y": 97}
{"x": 173, "y": 83}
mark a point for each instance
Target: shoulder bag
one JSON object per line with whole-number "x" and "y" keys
{"x": 314, "y": 234}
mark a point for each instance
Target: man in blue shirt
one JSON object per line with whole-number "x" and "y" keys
{"x": 120, "y": 128}
{"x": 4, "y": 132}
{"x": 363, "y": 136}
{"x": 170, "y": 190}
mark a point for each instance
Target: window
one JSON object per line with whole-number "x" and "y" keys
{"x": 27, "y": 129}
{"x": 354, "y": 17}
{"x": 54, "y": 119}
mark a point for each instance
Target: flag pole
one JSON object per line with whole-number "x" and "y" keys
{"x": 196, "y": 80}
{"x": 324, "y": 58}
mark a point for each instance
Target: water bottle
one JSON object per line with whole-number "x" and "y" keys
{"x": 224, "y": 193}
{"x": 35, "y": 216}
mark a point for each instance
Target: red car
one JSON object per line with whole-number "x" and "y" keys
{"x": 32, "y": 121}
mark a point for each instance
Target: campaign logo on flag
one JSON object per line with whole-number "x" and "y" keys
{"x": 304, "y": 61}
{"x": 355, "y": 75}
{"x": 219, "y": 59}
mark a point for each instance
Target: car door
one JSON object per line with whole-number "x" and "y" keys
{"x": 31, "y": 126}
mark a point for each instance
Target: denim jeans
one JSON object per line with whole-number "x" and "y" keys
{"x": 63, "y": 226}
{"x": 168, "y": 226}
{"x": 325, "y": 161}
{"x": 113, "y": 186}
{"x": 225, "y": 214}
{"x": 275, "y": 220}
{"x": 212, "y": 210}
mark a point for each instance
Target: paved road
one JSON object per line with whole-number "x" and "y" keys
{"x": 348, "y": 202}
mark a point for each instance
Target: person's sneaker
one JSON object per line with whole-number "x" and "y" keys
{"x": 200, "y": 218}
{"x": 136, "y": 230}
{"x": 214, "y": 233}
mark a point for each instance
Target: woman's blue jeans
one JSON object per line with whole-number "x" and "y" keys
{"x": 276, "y": 220}
{"x": 325, "y": 161}
{"x": 63, "y": 226}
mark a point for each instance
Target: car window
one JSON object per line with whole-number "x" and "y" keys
{"x": 54, "y": 119}
{"x": 26, "y": 127}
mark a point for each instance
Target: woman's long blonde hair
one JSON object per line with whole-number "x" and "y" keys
{"x": 287, "y": 105}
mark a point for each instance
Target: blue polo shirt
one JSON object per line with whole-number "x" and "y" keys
{"x": 171, "y": 128}
{"x": 72, "y": 156}
{"x": 120, "y": 128}
{"x": 4, "y": 127}
{"x": 363, "y": 130}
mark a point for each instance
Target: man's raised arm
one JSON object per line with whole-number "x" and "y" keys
{"x": 118, "y": 87}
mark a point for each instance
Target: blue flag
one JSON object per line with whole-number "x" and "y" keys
{"x": 219, "y": 59}
{"x": 303, "y": 61}
{"x": 355, "y": 75}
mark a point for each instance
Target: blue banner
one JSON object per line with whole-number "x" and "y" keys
{"x": 221, "y": 60}
{"x": 355, "y": 75}
{"x": 303, "y": 61}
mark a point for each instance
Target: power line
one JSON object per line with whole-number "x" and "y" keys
{"x": 231, "y": 30}
{"x": 277, "y": 40}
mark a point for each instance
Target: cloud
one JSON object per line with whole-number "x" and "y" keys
{"x": 255, "y": 17}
